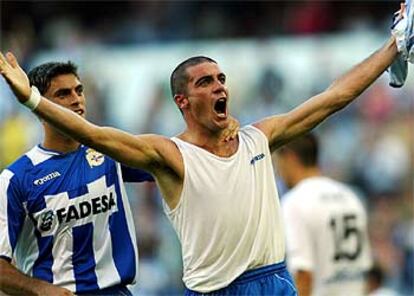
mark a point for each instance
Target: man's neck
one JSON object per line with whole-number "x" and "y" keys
{"x": 213, "y": 143}
{"x": 306, "y": 173}
{"x": 59, "y": 142}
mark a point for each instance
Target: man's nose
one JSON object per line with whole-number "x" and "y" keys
{"x": 219, "y": 87}
{"x": 75, "y": 97}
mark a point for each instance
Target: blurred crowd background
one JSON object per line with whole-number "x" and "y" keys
{"x": 275, "y": 54}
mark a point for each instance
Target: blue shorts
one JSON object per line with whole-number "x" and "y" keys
{"x": 267, "y": 280}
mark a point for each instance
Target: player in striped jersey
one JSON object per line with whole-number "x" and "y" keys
{"x": 64, "y": 212}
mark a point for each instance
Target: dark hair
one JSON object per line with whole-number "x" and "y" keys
{"x": 306, "y": 148}
{"x": 42, "y": 75}
{"x": 179, "y": 77}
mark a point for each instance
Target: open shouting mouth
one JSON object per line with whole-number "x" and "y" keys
{"x": 220, "y": 107}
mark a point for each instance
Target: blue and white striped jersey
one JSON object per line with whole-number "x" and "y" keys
{"x": 66, "y": 219}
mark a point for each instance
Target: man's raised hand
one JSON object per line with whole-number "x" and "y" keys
{"x": 232, "y": 130}
{"x": 15, "y": 77}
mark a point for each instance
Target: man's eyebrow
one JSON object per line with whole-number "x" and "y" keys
{"x": 66, "y": 90}
{"x": 61, "y": 91}
{"x": 199, "y": 80}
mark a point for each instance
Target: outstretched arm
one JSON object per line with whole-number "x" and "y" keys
{"x": 283, "y": 128}
{"x": 153, "y": 153}
{"x": 134, "y": 151}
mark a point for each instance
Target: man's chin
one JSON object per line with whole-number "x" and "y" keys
{"x": 223, "y": 123}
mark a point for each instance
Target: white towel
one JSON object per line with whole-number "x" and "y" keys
{"x": 402, "y": 29}
{"x": 398, "y": 71}
{"x": 410, "y": 30}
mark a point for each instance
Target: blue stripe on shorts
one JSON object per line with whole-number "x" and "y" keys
{"x": 267, "y": 280}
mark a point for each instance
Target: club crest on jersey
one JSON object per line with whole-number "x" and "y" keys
{"x": 94, "y": 157}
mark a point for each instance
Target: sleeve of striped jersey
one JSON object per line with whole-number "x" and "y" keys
{"x": 299, "y": 244}
{"x": 135, "y": 175}
{"x": 11, "y": 215}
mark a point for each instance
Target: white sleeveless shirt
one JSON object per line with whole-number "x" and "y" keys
{"x": 228, "y": 218}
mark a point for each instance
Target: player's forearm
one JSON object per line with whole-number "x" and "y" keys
{"x": 119, "y": 145}
{"x": 342, "y": 92}
{"x": 354, "y": 82}
{"x": 13, "y": 282}
{"x": 66, "y": 121}
{"x": 75, "y": 126}
{"x": 303, "y": 290}
{"x": 303, "y": 281}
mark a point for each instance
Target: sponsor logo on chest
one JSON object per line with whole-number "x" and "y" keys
{"x": 62, "y": 212}
{"x": 97, "y": 205}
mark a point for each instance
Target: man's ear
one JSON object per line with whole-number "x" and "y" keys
{"x": 181, "y": 101}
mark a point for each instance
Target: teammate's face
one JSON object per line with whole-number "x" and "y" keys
{"x": 67, "y": 91}
{"x": 207, "y": 96}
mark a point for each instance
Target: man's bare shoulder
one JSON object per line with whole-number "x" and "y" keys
{"x": 269, "y": 124}
{"x": 166, "y": 149}
{"x": 158, "y": 141}
{"x": 154, "y": 138}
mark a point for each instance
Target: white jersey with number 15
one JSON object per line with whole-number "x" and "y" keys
{"x": 326, "y": 229}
